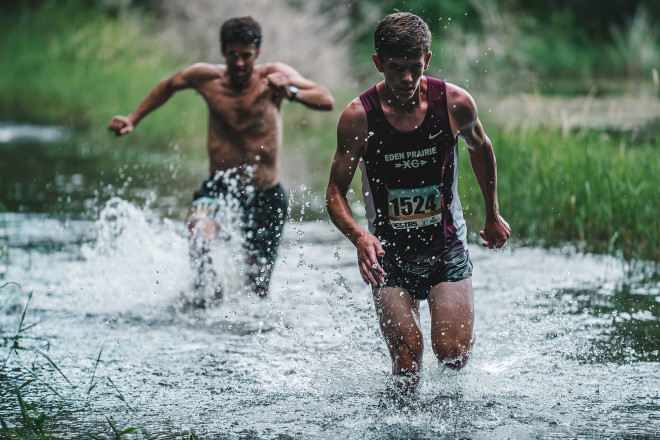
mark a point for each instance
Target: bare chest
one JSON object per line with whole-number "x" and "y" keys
{"x": 250, "y": 110}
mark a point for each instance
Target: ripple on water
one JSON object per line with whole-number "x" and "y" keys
{"x": 310, "y": 361}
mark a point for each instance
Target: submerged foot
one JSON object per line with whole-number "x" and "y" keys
{"x": 399, "y": 393}
{"x": 206, "y": 289}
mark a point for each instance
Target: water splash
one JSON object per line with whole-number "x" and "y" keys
{"x": 139, "y": 263}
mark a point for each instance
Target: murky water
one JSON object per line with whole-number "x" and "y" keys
{"x": 563, "y": 350}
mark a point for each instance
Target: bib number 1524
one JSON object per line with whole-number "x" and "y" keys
{"x": 414, "y": 208}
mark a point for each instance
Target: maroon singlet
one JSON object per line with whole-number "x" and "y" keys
{"x": 409, "y": 182}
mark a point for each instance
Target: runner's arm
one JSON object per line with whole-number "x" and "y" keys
{"x": 188, "y": 78}
{"x": 351, "y": 144}
{"x": 310, "y": 94}
{"x": 482, "y": 157}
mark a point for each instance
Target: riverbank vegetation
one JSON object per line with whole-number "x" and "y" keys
{"x": 589, "y": 189}
{"x": 44, "y": 408}
{"x": 76, "y": 63}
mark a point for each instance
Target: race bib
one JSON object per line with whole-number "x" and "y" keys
{"x": 414, "y": 208}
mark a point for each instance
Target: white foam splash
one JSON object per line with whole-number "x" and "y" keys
{"x": 139, "y": 262}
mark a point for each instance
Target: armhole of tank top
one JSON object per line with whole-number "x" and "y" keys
{"x": 366, "y": 99}
{"x": 442, "y": 96}
{"x": 370, "y": 98}
{"x": 371, "y": 106}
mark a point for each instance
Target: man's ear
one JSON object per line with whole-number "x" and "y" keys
{"x": 377, "y": 63}
{"x": 258, "y": 52}
{"x": 427, "y": 59}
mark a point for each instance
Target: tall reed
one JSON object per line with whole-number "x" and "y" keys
{"x": 589, "y": 188}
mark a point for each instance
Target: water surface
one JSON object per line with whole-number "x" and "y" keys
{"x": 567, "y": 345}
{"x": 309, "y": 361}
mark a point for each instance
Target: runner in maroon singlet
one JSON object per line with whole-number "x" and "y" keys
{"x": 403, "y": 134}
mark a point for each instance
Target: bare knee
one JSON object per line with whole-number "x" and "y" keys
{"x": 452, "y": 352}
{"x": 202, "y": 232}
{"x": 203, "y": 228}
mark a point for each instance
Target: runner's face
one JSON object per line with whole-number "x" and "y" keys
{"x": 402, "y": 73}
{"x": 240, "y": 60}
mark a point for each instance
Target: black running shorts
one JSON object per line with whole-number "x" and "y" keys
{"x": 263, "y": 213}
{"x": 418, "y": 281}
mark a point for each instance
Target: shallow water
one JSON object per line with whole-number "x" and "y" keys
{"x": 309, "y": 361}
{"x": 567, "y": 346}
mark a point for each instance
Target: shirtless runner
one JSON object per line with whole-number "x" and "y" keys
{"x": 244, "y": 140}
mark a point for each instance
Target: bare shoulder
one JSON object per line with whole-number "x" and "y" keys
{"x": 200, "y": 72}
{"x": 205, "y": 67}
{"x": 459, "y": 98}
{"x": 462, "y": 107}
{"x": 352, "y": 136}
{"x": 353, "y": 117}
{"x": 277, "y": 66}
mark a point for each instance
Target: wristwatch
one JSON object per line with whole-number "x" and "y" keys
{"x": 294, "y": 91}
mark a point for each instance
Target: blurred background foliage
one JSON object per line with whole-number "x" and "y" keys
{"x": 568, "y": 91}
{"x": 498, "y": 45}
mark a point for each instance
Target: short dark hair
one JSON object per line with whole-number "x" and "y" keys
{"x": 240, "y": 30}
{"x": 402, "y": 34}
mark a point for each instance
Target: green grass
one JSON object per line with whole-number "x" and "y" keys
{"x": 35, "y": 415}
{"x": 78, "y": 66}
{"x": 588, "y": 188}
{"x": 74, "y": 66}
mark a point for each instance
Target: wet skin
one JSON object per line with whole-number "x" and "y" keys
{"x": 403, "y": 99}
{"x": 245, "y": 122}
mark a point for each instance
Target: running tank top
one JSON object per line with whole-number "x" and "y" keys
{"x": 409, "y": 182}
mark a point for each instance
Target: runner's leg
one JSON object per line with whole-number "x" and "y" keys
{"x": 398, "y": 315}
{"x": 203, "y": 232}
{"x": 452, "y": 321}
{"x": 265, "y": 225}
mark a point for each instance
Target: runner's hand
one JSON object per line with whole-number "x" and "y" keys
{"x": 368, "y": 249}
{"x": 495, "y": 233}
{"x": 121, "y": 125}
{"x": 278, "y": 83}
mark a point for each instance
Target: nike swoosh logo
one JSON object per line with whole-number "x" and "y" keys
{"x": 433, "y": 136}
